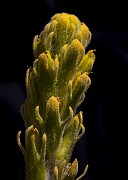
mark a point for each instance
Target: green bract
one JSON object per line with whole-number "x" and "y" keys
{"x": 56, "y": 85}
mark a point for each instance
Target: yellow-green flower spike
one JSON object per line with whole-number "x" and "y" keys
{"x": 56, "y": 84}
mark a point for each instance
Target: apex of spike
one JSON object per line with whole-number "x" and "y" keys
{"x": 61, "y": 30}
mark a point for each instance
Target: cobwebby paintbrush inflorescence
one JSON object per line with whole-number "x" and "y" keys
{"x": 56, "y": 85}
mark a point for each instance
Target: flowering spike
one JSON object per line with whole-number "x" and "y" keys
{"x": 56, "y": 84}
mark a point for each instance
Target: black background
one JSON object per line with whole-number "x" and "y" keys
{"x": 105, "y": 108}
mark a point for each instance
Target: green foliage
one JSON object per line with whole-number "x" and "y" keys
{"x": 56, "y": 85}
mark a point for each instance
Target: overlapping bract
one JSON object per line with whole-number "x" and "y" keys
{"x": 56, "y": 86}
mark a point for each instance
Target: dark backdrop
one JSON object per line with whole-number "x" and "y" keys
{"x": 105, "y": 108}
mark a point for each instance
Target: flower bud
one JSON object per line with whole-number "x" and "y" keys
{"x": 53, "y": 127}
{"x": 87, "y": 62}
{"x": 80, "y": 86}
{"x": 68, "y": 62}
